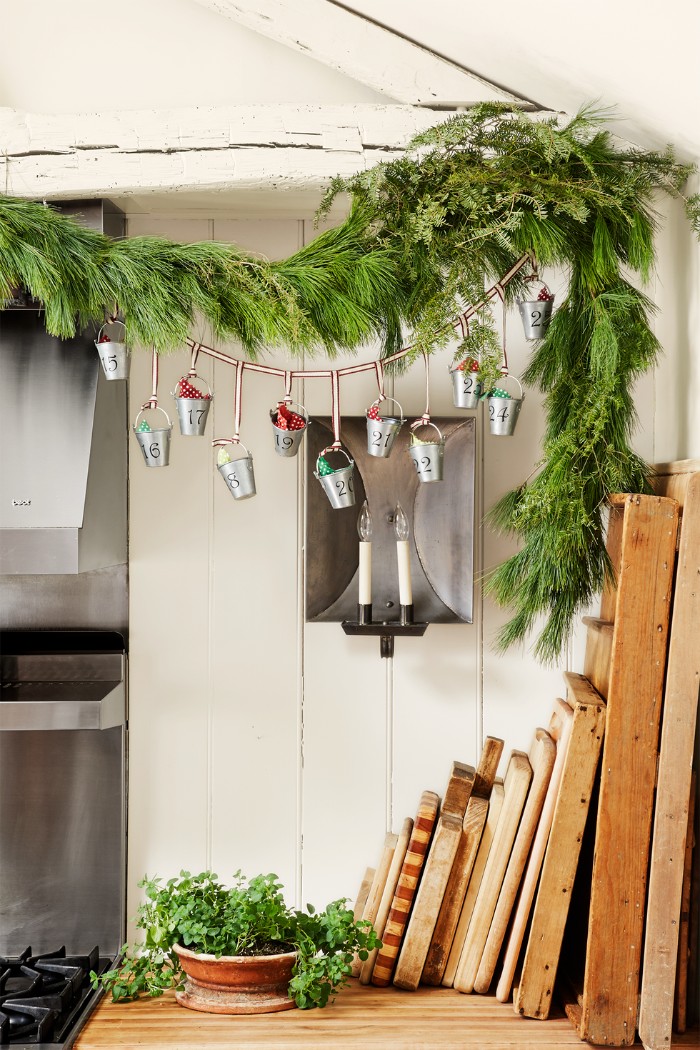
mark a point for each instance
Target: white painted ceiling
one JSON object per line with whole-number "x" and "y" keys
{"x": 90, "y": 55}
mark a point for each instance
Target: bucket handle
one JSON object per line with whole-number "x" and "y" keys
{"x": 383, "y": 397}
{"x": 192, "y": 375}
{"x": 538, "y": 280}
{"x": 110, "y": 322}
{"x": 154, "y": 408}
{"x": 334, "y": 448}
{"x": 297, "y": 404}
{"x": 515, "y": 379}
{"x": 422, "y": 423}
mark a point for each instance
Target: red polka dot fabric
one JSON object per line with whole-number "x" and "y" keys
{"x": 187, "y": 389}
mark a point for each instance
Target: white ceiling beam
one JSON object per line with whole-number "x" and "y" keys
{"x": 351, "y": 44}
{"x": 86, "y": 154}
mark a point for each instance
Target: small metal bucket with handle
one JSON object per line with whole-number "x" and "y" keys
{"x": 288, "y": 438}
{"x": 427, "y": 456}
{"x": 504, "y": 409}
{"x": 113, "y": 353}
{"x": 466, "y": 388}
{"x": 382, "y": 430}
{"x": 237, "y": 473}
{"x": 337, "y": 484}
{"x": 154, "y": 442}
{"x": 192, "y": 412}
{"x": 537, "y": 313}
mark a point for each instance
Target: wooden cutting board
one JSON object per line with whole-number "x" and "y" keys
{"x": 559, "y": 729}
{"x": 534, "y": 995}
{"x": 543, "y": 754}
{"x": 406, "y": 888}
{"x": 680, "y": 481}
{"x": 369, "y": 912}
{"x": 363, "y": 893}
{"x": 462, "y": 866}
{"x": 428, "y": 899}
{"x": 458, "y": 790}
{"x": 517, "y": 783}
{"x": 392, "y": 880}
{"x": 495, "y": 805}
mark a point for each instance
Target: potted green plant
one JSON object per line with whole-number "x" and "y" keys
{"x": 238, "y": 948}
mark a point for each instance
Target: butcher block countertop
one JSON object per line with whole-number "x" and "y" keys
{"x": 363, "y": 1017}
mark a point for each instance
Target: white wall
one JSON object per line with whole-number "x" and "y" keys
{"x": 258, "y": 741}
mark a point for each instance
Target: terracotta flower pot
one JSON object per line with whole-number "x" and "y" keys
{"x": 236, "y": 984}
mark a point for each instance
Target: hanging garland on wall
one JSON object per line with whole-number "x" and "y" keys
{"x": 424, "y": 235}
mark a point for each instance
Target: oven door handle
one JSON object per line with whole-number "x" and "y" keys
{"x": 106, "y": 713}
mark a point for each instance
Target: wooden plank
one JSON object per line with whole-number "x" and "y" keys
{"x": 494, "y": 814}
{"x": 543, "y": 754}
{"x": 363, "y": 893}
{"x": 406, "y": 888}
{"x": 455, "y": 892}
{"x": 560, "y": 730}
{"x": 599, "y": 641}
{"x": 392, "y": 880}
{"x": 674, "y": 773}
{"x": 680, "y": 1007}
{"x": 459, "y": 788}
{"x": 369, "y": 912}
{"x": 638, "y": 659}
{"x": 534, "y": 995}
{"x": 517, "y": 782}
{"x": 428, "y": 900}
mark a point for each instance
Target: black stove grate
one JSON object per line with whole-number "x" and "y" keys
{"x": 42, "y": 997}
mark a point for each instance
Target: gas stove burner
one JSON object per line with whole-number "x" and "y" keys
{"x": 45, "y": 998}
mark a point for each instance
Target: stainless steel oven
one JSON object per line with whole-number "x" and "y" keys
{"x": 62, "y": 825}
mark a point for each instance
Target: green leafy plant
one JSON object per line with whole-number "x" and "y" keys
{"x": 250, "y": 917}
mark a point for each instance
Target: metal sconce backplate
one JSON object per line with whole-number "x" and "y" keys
{"x": 440, "y": 514}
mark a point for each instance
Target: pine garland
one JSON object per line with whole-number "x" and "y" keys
{"x": 424, "y": 234}
{"x": 337, "y": 292}
{"x": 476, "y": 193}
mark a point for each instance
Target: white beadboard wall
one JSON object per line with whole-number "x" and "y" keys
{"x": 263, "y": 743}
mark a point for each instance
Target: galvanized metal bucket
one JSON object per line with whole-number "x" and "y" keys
{"x": 193, "y": 412}
{"x": 338, "y": 485}
{"x": 427, "y": 456}
{"x": 154, "y": 443}
{"x": 381, "y": 432}
{"x": 504, "y": 411}
{"x": 113, "y": 354}
{"x": 288, "y": 442}
{"x": 536, "y": 315}
{"x": 239, "y": 475}
{"x": 466, "y": 388}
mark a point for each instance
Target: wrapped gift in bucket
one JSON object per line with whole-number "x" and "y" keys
{"x": 192, "y": 406}
{"x": 288, "y": 427}
{"x": 113, "y": 353}
{"x": 237, "y": 472}
{"x": 381, "y": 429}
{"x": 466, "y": 388}
{"x": 337, "y": 483}
{"x": 537, "y": 313}
{"x": 427, "y": 456}
{"x": 153, "y": 441}
{"x": 504, "y": 408}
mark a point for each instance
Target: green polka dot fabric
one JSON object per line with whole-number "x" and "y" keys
{"x": 324, "y": 467}
{"x": 143, "y": 428}
{"x": 498, "y": 391}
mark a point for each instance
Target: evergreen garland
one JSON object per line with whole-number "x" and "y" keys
{"x": 474, "y": 195}
{"x": 424, "y": 234}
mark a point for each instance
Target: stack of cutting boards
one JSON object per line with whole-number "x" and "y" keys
{"x": 475, "y": 890}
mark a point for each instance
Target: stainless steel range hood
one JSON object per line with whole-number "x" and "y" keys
{"x": 63, "y": 448}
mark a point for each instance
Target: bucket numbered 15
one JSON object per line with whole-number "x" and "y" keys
{"x": 114, "y": 356}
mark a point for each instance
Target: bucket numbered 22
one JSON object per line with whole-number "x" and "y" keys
{"x": 427, "y": 456}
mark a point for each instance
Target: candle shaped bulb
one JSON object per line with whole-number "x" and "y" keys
{"x": 364, "y": 530}
{"x": 403, "y": 554}
{"x": 364, "y": 524}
